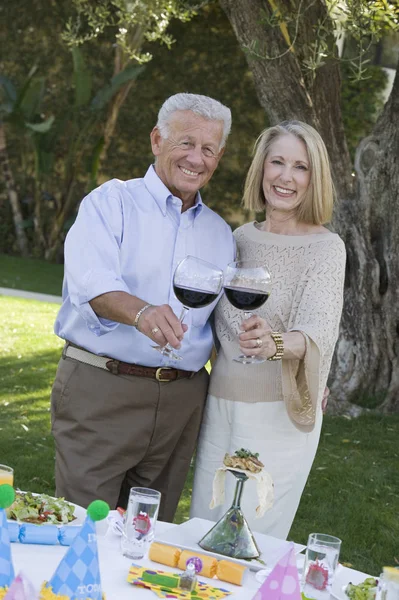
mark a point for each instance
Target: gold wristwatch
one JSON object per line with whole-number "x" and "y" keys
{"x": 278, "y": 340}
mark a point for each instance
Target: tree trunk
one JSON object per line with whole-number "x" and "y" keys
{"x": 366, "y": 360}
{"x": 366, "y": 216}
{"x": 22, "y": 240}
{"x": 55, "y": 240}
{"x": 40, "y": 240}
{"x": 112, "y": 118}
{"x": 120, "y": 62}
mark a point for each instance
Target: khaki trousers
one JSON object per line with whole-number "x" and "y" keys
{"x": 114, "y": 432}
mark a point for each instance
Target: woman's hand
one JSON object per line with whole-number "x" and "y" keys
{"x": 256, "y": 339}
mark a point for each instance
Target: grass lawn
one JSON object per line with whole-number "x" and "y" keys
{"x": 31, "y": 274}
{"x": 352, "y": 492}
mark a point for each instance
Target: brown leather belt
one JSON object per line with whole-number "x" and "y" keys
{"x": 117, "y": 367}
{"x": 158, "y": 373}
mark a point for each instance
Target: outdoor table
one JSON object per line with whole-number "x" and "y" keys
{"x": 39, "y": 562}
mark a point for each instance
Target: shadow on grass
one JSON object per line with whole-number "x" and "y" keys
{"x": 13, "y": 364}
{"x": 26, "y": 442}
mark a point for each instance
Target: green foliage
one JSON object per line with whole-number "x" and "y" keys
{"x": 82, "y": 79}
{"x": 64, "y": 162}
{"x": 364, "y": 21}
{"x": 60, "y": 142}
{"x": 244, "y": 453}
{"x": 131, "y": 22}
{"x": 103, "y": 96}
{"x": 22, "y": 108}
{"x": 362, "y": 102}
{"x": 364, "y": 17}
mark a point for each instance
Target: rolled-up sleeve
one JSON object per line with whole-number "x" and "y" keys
{"x": 92, "y": 249}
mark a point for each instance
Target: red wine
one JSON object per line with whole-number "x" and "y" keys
{"x": 245, "y": 299}
{"x": 192, "y": 298}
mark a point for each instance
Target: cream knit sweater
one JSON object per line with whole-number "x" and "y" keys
{"x": 307, "y": 292}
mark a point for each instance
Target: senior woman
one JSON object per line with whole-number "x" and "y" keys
{"x": 274, "y": 408}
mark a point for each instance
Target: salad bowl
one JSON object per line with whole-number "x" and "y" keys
{"x": 42, "y": 509}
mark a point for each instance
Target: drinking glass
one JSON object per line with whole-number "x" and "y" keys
{"x": 196, "y": 283}
{"x": 140, "y": 519}
{"x": 388, "y": 584}
{"x": 6, "y": 475}
{"x": 321, "y": 561}
{"x": 247, "y": 285}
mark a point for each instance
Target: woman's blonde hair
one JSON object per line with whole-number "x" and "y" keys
{"x": 317, "y": 204}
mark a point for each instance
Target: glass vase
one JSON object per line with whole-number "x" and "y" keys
{"x": 231, "y": 535}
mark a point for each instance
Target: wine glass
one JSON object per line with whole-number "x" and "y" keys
{"x": 196, "y": 283}
{"x": 247, "y": 285}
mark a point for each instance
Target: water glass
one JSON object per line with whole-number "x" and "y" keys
{"x": 6, "y": 475}
{"x": 388, "y": 584}
{"x": 321, "y": 561}
{"x": 140, "y": 519}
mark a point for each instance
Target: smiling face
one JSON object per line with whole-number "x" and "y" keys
{"x": 186, "y": 160}
{"x": 286, "y": 174}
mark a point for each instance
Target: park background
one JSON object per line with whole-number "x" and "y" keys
{"x": 77, "y": 106}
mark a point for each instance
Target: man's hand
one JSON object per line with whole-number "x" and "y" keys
{"x": 160, "y": 324}
{"x": 325, "y": 399}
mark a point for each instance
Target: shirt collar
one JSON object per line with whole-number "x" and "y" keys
{"x": 161, "y": 194}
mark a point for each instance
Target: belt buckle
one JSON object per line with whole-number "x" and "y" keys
{"x": 158, "y": 374}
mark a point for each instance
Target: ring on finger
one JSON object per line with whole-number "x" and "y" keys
{"x": 258, "y": 342}
{"x": 154, "y": 330}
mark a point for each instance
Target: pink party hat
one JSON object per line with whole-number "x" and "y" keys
{"x": 21, "y": 589}
{"x": 283, "y": 581}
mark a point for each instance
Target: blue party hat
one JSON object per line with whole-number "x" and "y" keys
{"x": 77, "y": 577}
{"x": 7, "y": 496}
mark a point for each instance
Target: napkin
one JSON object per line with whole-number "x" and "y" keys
{"x": 264, "y": 487}
{"x": 283, "y": 581}
{"x": 115, "y": 523}
{"x": 156, "y": 580}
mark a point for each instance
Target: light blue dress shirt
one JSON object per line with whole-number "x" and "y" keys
{"x": 129, "y": 236}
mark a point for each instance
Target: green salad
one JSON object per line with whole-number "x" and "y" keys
{"x": 40, "y": 508}
{"x": 363, "y": 591}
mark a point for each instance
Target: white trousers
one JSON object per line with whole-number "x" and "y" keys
{"x": 286, "y": 452}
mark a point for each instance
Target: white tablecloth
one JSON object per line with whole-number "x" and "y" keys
{"x": 39, "y": 563}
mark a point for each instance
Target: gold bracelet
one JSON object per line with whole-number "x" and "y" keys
{"x": 278, "y": 340}
{"x": 137, "y": 317}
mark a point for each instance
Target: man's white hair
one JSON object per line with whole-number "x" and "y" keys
{"x": 201, "y": 105}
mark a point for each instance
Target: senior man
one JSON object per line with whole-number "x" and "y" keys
{"x": 124, "y": 415}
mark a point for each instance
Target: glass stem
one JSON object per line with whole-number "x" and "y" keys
{"x": 183, "y": 313}
{"x": 248, "y": 315}
{"x": 238, "y": 493}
